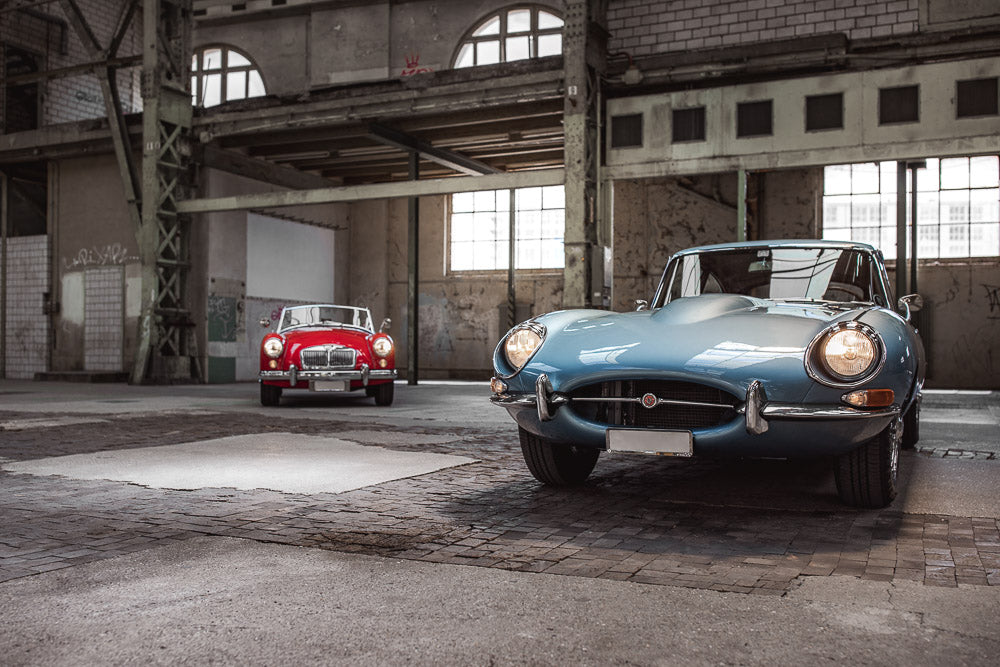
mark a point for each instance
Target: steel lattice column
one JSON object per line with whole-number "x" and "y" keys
{"x": 164, "y": 350}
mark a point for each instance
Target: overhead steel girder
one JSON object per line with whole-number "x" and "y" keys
{"x": 349, "y": 193}
{"x": 450, "y": 159}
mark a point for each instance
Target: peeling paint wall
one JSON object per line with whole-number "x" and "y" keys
{"x": 960, "y": 323}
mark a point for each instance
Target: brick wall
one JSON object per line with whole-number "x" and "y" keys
{"x": 46, "y": 32}
{"x": 644, "y": 27}
{"x": 103, "y": 295}
{"x": 27, "y": 333}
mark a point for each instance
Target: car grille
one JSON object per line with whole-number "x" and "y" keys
{"x": 597, "y": 404}
{"x": 326, "y": 358}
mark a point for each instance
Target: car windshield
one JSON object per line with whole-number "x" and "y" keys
{"x": 325, "y": 316}
{"x": 782, "y": 273}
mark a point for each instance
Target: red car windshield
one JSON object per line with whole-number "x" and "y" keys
{"x": 325, "y": 316}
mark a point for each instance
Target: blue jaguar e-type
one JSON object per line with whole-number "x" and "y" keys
{"x": 786, "y": 349}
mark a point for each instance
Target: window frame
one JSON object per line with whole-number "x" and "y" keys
{"x": 938, "y": 228}
{"x": 474, "y": 273}
{"x": 503, "y": 34}
{"x": 199, "y": 74}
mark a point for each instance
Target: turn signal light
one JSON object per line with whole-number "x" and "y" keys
{"x": 273, "y": 363}
{"x": 870, "y": 398}
{"x": 497, "y": 386}
{"x": 382, "y": 363}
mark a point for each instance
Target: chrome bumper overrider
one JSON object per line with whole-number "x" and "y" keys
{"x": 756, "y": 410}
{"x": 293, "y": 375}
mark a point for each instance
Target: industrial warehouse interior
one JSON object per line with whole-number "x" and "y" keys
{"x": 492, "y": 202}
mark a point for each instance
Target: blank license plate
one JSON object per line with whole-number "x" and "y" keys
{"x": 330, "y": 385}
{"x": 649, "y": 441}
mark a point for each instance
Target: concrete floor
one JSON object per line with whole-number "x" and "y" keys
{"x": 112, "y": 552}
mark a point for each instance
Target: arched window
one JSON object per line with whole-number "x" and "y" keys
{"x": 515, "y": 33}
{"x": 220, "y": 74}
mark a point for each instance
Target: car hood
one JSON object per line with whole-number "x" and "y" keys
{"x": 310, "y": 336}
{"x": 730, "y": 338}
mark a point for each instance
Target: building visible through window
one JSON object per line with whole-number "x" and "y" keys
{"x": 220, "y": 74}
{"x": 512, "y": 34}
{"x": 958, "y": 206}
{"x": 480, "y": 229}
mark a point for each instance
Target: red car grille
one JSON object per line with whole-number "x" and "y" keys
{"x": 327, "y": 358}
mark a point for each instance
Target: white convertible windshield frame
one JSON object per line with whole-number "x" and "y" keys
{"x": 325, "y": 315}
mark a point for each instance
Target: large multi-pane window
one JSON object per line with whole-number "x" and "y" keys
{"x": 958, "y": 206}
{"x": 480, "y": 229}
{"x": 220, "y": 74}
{"x": 512, "y": 34}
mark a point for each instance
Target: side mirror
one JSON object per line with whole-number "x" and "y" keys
{"x": 911, "y": 303}
{"x": 265, "y": 322}
{"x": 641, "y": 304}
{"x": 386, "y": 323}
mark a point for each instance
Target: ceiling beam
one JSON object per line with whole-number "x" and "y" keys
{"x": 450, "y": 159}
{"x": 438, "y": 186}
{"x": 262, "y": 170}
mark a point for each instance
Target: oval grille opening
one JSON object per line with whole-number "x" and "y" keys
{"x": 686, "y": 415}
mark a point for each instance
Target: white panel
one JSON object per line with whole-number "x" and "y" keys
{"x": 27, "y": 334}
{"x": 288, "y": 260}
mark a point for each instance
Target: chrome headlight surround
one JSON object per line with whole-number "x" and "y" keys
{"x": 818, "y": 366}
{"x": 523, "y": 342}
{"x": 273, "y": 347}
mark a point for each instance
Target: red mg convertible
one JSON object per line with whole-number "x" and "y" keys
{"x": 327, "y": 348}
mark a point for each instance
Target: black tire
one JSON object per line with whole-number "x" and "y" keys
{"x": 868, "y": 476}
{"x": 911, "y": 426}
{"x": 554, "y": 463}
{"x": 383, "y": 393}
{"x": 270, "y": 396}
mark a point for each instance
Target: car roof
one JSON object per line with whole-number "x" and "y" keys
{"x": 783, "y": 243}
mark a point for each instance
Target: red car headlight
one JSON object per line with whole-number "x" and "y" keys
{"x": 382, "y": 346}
{"x": 273, "y": 347}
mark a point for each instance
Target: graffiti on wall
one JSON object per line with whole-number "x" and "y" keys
{"x": 109, "y": 255}
{"x": 413, "y": 66}
{"x": 993, "y": 298}
{"x": 223, "y": 317}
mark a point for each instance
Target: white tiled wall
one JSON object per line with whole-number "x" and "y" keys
{"x": 103, "y": 294}
{"x": 27, "y": 332}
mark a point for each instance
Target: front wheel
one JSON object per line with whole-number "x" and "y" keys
{"x": 554, "y": 463}
{"x": 383, "y": 393}
{"x": 868, "y": 476}
{"x": 270, "y": 395}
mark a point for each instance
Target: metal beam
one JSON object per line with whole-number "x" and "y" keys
{"x": 349, "y": 193}
{"x": 261, "y": 170}
{"x": 900, "y": 229}
{"x": 450, "y": 159}
{"x": 413, "y": 278}
{"x": 3, "y": 274}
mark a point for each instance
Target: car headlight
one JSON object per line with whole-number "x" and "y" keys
{"x": 847, "y": 353}
{"x": 521, "y": 344}
{"x": 382, "y": 346}
{"x": 273, "y": 347}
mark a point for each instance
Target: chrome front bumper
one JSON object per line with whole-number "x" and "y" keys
{"x": 294, "y": 375}
{"x": 756, "y": 409}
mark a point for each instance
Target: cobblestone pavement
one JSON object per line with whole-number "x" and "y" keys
{"x": 628, "y": 523}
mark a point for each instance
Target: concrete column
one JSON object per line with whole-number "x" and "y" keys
{"x": 580, "y": 144}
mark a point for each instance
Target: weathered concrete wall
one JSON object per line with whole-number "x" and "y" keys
{"x": 960, "y": 323}
{"x": 346, "y": 44}
{"x": 791, "y": 204}
{"x": 91, "y": 229}
{"x": 655, "y": 218}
